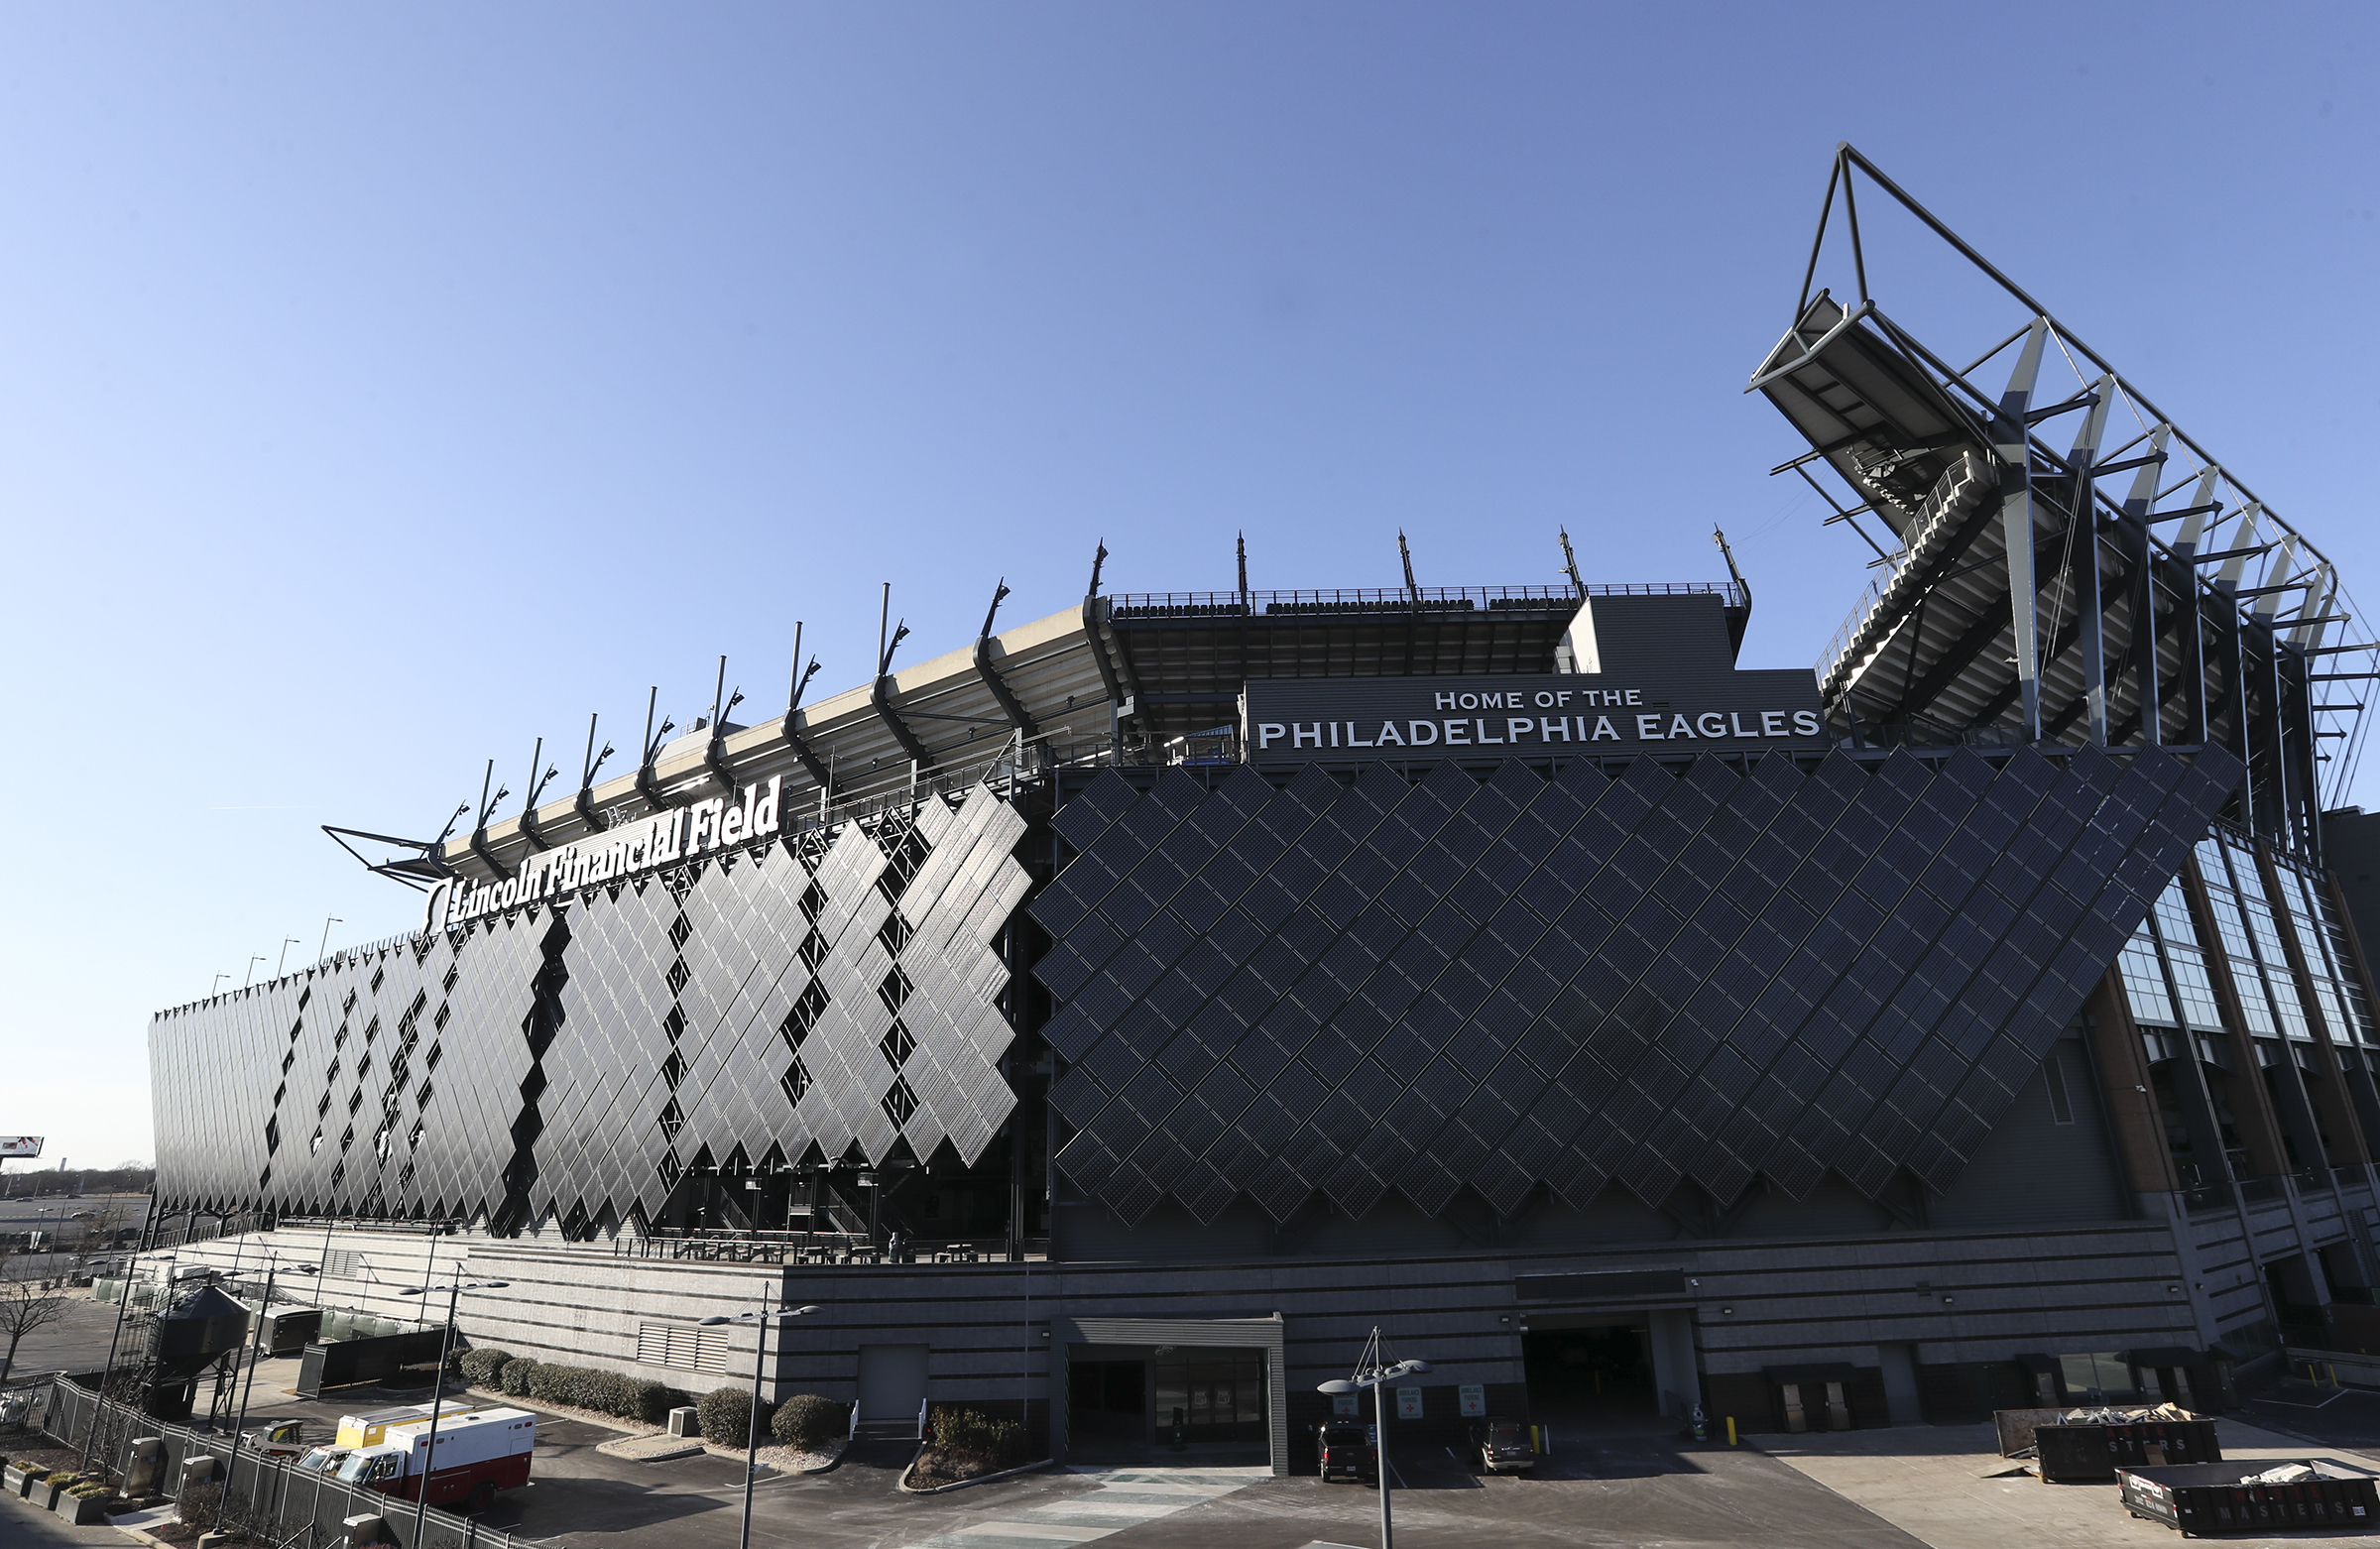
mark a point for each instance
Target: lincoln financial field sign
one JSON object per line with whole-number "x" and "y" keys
{"x": 1567, "y": 712}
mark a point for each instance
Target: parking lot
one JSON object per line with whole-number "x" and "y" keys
{"x": 1607, "y": 1489}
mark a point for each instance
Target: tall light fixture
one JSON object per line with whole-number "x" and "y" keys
{"x": 256, "y": 1332}
{"x": 437, "y": 1386}
{"x": 761, "y": 1319}
{"x": 1371, "y": 1373}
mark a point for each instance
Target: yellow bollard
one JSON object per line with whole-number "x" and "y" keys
{"x": 1731, "y": 1430}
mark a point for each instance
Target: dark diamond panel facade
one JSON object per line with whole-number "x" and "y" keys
{"x": 1703, "y": 977}
{"x": 574, "y": 1060}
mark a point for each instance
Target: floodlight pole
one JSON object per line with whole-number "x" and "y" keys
{"x": 239, "y": 1426}
{"x": 761, "y": 1318}
{"x": 1370, "y": 1372}
{"x": 751, "y": 1417}
{"x": 248, "y": 1387}
{"x": 438, "y": 1390}
{"x": 107, "y": 1373}
{"x": 437, "y": 1407}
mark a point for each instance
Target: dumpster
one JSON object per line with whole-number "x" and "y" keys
{"x": 2208, "y": 1499}
{"x": 2091, "y": 1444}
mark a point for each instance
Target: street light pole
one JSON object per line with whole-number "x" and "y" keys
{"x": 239, "y": 1426}
{"x": 1370, "y": 1372}
{"x": 437, "y": 1387}
{"x": 761, "y": 1319}
{"x": 107, "y": 1373}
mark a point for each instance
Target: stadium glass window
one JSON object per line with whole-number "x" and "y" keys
{"x": 2061, "y": 1105}
{"x": 2144, "y": 980}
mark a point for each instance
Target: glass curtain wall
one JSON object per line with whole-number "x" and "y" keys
{"x": 2191, "y": 1065}
{"x": 2167, "y": 978}
{"x": 2335, "y": 990}
{"x": 2248, "y": 927}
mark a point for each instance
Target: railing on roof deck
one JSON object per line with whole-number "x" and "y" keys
{"x": 999, "y": 768}
{"x": 1428, "y": 599}
{"x": 351, "y": 954}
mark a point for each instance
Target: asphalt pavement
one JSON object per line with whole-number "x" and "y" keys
{"x": 1601, "y": 1490}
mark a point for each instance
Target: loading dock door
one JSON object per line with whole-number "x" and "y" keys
{"x": 892, "y": 1382}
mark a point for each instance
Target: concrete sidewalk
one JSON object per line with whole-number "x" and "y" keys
{"x": 23, "y": 1525}
{"x": 1939, "y": 1483}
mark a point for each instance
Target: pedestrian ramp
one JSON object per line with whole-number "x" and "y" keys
{"x": 1120, "y": 1497}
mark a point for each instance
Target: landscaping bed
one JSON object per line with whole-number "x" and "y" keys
{"x": 964, "y": 1445}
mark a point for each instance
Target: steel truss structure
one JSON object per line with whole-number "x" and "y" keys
{"x": 2064, "y": 563}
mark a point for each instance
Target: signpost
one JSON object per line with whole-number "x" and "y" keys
{"x": 20, "y": 1145}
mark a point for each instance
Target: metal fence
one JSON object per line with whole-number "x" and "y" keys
{"x": 278, "y": 1502}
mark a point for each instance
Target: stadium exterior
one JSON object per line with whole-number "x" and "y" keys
{"x": 1193, "y": 981}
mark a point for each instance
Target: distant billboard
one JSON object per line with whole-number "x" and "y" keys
{"x": 20, "y": 1145}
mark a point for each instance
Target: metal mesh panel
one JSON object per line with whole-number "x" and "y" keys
{"x": 1451, "y": 986}
{"x": 672, "y": 1019}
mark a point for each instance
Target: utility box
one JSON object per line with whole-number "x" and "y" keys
{"x": 148, "y": 1467}
{"x": 196, "y": 1471}
{"x": 289, "y": 1330}
{"x": 685, "y": 1422}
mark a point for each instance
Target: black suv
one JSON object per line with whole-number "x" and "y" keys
{"x": 1346, "y": 1448}
{"x": 1500, "y": 1446}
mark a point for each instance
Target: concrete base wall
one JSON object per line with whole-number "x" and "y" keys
{"x": 1957, "y": 1302}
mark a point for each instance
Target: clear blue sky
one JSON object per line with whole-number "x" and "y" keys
{"x": 384, "y": 386}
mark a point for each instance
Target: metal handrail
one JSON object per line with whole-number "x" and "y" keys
{"x": 1158, "y": 603}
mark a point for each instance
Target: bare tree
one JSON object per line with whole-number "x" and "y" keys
{"x": 27, "y": 1305}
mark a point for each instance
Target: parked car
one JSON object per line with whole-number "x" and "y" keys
{"x": 1500, "y": 1446}
{"x": 1347, "y": 1448}
{"x": 284, "y": 1439}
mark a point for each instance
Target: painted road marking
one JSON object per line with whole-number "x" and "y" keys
{"x": 1123, "y": 1498}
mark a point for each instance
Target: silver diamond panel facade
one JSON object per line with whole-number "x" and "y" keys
{"x": 1660, "y": 979}
{"x": 833, "y": 995}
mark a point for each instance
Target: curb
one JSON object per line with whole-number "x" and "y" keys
{"x": 736, "y": 1455}
{"x": 629, "y": 1429}
{"x": 907, "y": 1488}
{"x": 670, "y": 1456}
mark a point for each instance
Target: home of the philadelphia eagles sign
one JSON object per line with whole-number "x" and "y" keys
{"x": 1665, "y": 680}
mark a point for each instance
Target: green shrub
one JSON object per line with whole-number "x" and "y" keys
{"x": 62, "y": 1476}
{"x": 553, "y": 1383}
{"x": 989, "y": 1442}
{"x": 517, "y": 1374}
{"x": 648, "y": 1401}
{"x": 806, "y": 1421}
{"x": 482, "y": 1368}
{"x": 725, "y": 1415}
